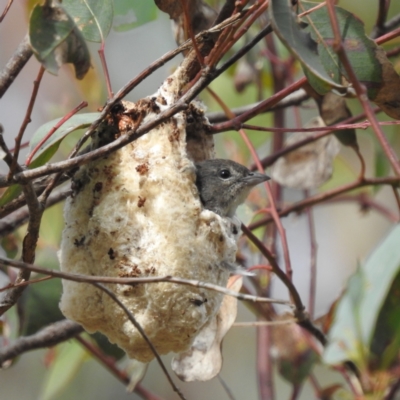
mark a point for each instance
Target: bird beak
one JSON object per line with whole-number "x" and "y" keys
{"x": 254, "y": 178}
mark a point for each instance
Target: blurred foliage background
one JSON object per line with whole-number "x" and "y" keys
{"x": 346, "y": 233}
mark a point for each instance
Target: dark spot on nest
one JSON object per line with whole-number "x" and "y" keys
{"x": 111, "y": 253}
{"x": 98, "y": 187}
{"x": 141, "y": 201}
{"x": 234, "y": 229}
{"x": 198, "y": 302}
{"x": 142, "y": 168}
{"x": 117, "y": 109}
{"x": 150, "y": 271}
{"x": 154, "y": 106}
{"x": 79, "y": 242}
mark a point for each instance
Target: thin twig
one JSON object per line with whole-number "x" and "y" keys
{"x": 20, "y": 217}
{"x": 269, "y": 160}
{"x": 5, "y": 11}
{"x": 26, "y": 121}
{"x": 228, "y": 391}
{"x": 143, "y": 333}
{"x": 132, "y": 281}
{"x": 313, "y": 261}
{"x": 379, "y": 28}
{"x": 321, "y": 197}
{"x": 293, "y": 99}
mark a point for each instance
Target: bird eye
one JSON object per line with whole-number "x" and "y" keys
{"x": 225, "y": 173}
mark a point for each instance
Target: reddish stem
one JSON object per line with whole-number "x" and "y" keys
{"x": 6, "y": 10}
{"x": 26, "y": 121}
{"x": 236, "y": 122}
{"x": 105, "y": 70}
{"x": 189, "y": 30}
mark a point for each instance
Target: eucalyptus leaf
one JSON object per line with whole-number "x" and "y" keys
{"x": 50, "y": 146}
{"x": 93, "y": 17}
{"x": 10, "y": 194}
{"x": 56, "y": 40}
{"x": 69, "y": 358}
{"x": 302, "y": 45}
{"x": 360, "y": 307}
{"x": 368, "y": 61}
{"x": 359, "y": 48}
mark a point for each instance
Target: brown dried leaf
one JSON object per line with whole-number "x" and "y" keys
{"x": 203, "y": 360}
{"x": 295, "y": 350}
{"x": 172, "y": 7}
{"x": 388, "y": 95}
{"x": 333, "y": 109}
{"x": 309, "y": 166}
{"x": 201, "y": 16}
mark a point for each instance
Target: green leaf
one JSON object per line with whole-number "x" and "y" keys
{"x": 40, "y": 306}
{"x": 69, "y": 358}
{"x": 10, "y": 194}
{"x": 381, "y": 164}
{"x": 56, "y": 40}
{"x": 50, "y": 146}
{"x": 93, "y": 17}
{"x": 359, "y": 309}
{"x": 369, "y": 62}
{"x": 359, "y": 48}
{"x": 131, "y": 14}
{"x": 385, "y": 343}
{"x": 302, "y": 46}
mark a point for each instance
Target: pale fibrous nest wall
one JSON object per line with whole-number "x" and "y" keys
{"x": 137, "y": 213}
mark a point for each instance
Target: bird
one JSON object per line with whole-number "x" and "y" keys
{"x": 224, "y": 184}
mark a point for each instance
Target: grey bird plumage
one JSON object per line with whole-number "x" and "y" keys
{"x": 224, "y": 184}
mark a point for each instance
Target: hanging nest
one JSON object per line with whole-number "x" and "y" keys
{"x": 137, "y": 213}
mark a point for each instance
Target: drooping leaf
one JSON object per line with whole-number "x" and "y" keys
{"x": 359, "y": 48}
{"x": 203, "y": 360}
{"x": 295, "y": 352}
{"x": 93, "y": 17}
{"x": 358, "y": 311}
{"x": 369, "y": 62}
{"x": 309, "y": 166}
{"x": 302, "y": 46}
{"x": 56, "y": 40}
{"x": 333, "y": 109}
{"x": 131, "y": 14}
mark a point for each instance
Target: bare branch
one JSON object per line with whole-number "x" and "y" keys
{"x": 53, "y": 334}
{"x": 15, "y": 65}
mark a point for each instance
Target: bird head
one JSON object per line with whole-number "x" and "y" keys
{"x": 224, "y": 184}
